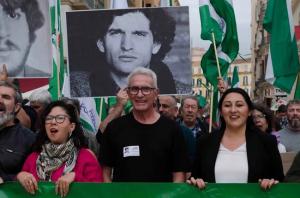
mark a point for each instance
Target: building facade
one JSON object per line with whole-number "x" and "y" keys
{"x": 262, "y": 90}
{"x": 201, "y": 87}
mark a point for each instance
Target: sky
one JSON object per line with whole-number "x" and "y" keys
{"x": 242, "y": 9}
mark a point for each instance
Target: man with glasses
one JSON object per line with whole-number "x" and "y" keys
{"x": 189, "y": 111}
{"x": 143, "y": 146}
{"x": 196, "y": 127}
{"x": 15, "y": 140}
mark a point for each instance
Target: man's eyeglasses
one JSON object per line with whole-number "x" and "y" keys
{"x": 58, "y": 119}
{"x": 135, "y": 90}
{"x": 259, "y": 116}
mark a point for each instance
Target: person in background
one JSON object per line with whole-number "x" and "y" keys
{"x": 25, "y": 114}
{"x": 263, "y": 119}
{"x": 290, "y": 136}
{"x": 254, "y": 153}
{"x": 60, "y": 154}
{"x": 15, "y": 139}
{"x": 189, "y": 112}
{"x": 39, "y": 100}
{"x": 114, "y": 112}
{"x": 168, "y": 107}
{"x": 281, "y": 117}
{"x": 143, "y": 146}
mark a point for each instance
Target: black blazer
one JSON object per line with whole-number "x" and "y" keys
{"x": 264, "y": 161}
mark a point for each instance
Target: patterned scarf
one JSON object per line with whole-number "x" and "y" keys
{"x": 53, "y": 156}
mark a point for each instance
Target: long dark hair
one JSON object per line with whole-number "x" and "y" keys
{"x": 244, "y": 94}
{"x": 77, "y": 135}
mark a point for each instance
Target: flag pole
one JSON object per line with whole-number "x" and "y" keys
{"x": 211, "y": 108}
{"x": 101, "y": 106}
{"x": 216, "y": 53}
{"x": 58, "y": 71}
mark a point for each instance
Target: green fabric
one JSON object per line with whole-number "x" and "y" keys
{"x": 201, "y": 101}
{"x": 150, "y": 190}
{"x": 89, "y": 113}
{"x": 227, "y": 43}
{"x": 235, "y": 78}
{"x": 113, "y": 101}
{"x": 284, "y": 59}
{"x": 217, "y": 16}
{"x": 102, "y": 106}
{"x": 208, "y": 25}
{"x": 297, "y": 91}
{"x": 57, "y": 80}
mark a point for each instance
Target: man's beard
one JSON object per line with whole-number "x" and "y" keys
{"x": 294, "y": 123}
{"x": 6, "y": 117}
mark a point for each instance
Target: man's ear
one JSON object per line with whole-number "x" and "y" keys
{"x": 17, "y": 108}
{"x": 157, "y": 91}
{"x": 100, "y": 45}
{"x": 155, "y": 48}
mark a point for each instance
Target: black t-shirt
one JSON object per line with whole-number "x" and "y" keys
{"x": 143, "y": 152}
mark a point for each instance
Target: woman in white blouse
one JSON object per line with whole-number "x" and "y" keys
{"x": 238, "y": 152}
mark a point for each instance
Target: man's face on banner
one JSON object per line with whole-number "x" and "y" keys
{"x": 14, "y": 40}
{"x": 129, "y": 43}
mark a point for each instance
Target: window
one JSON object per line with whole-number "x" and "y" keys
{"x": 245, "y": 80}
{"x": 199, "y": 82}
{"x": 229, "y": 81}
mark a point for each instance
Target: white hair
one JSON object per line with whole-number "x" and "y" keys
{"x": 143, "y": 71}
{"x": 43, "y": 96}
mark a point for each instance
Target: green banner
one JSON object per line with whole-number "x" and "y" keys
{"x": 150, "y": 190}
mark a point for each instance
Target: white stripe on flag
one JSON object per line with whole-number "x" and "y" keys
{"x": 214, "y": 15}
{"x": 290, "y": 15}
{"x": 223, "y": 55}
{"x": 270, "y": 78}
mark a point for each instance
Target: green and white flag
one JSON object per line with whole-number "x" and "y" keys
{"x": 297, "y": 88}
{"x": 235, "y": 82}
{"x": 217, "y": 16}
{"x": 56, "y": 82}
{"x": 92, "y": 111}
{"x": 283, "y": 61}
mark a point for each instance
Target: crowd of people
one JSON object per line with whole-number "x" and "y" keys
{"x": 158, "y": 141}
